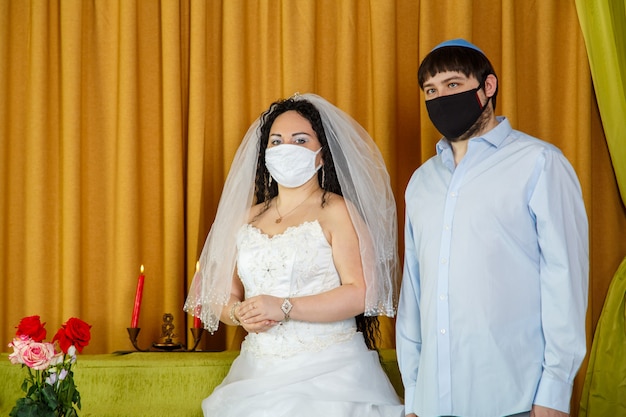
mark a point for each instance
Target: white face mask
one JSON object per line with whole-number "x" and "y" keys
{"x": 291, "y": 165}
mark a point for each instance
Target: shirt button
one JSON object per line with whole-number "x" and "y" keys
{"x": 442, "y": 331}
{"x": 442, "y": 297}
{"x": 447, "y": 227}
{"x": 444, "y": 260}
{"x": 453, "y": 194}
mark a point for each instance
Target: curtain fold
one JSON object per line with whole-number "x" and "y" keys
{"x": 603, "y": 23}
{"x": 119, "y": 120}
{"x": 604, "y": 391}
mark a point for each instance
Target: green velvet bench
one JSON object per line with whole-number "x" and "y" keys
{"x": 147, "y": 383}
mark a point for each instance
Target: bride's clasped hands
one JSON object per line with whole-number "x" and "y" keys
{"x": 260, "y": 313}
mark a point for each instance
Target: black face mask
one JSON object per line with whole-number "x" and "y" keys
{"x": 453, "y": 115}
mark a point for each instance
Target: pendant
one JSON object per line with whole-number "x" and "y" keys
{"x": 278, "y": 220}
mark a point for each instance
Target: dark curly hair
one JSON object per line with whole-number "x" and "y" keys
{"x": 264, "y": 191}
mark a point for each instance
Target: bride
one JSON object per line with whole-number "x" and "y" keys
{"x": 303, "y": 255}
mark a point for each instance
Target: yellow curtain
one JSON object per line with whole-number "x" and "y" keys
{"x": 119, "y": 120}
{"x": 603, "y": 23}
{"x": 92, "y": 158}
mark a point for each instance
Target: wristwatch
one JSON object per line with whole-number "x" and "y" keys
{"x": 286, "y": 307}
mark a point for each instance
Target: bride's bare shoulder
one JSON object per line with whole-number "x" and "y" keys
{"x": 335, "y": 208}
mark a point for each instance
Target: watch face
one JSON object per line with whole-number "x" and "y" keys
{"x": 286, "y": 306}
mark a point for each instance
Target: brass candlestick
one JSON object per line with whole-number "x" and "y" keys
{"x": 167, "y": 341}
{"x": 197, "y": 337}
{"x": 133, "y": 332}
{"x": 167, "y": 335}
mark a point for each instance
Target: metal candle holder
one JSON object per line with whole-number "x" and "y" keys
{"x": 133, "y": 332}
{"x": 167, "y": 337}
{"x": 197, "y": 337}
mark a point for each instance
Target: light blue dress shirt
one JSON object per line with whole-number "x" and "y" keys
{"x": 492, "y": 308}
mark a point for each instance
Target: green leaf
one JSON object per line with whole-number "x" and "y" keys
{"x": 50, "y": 397}
{"x": 26, "y": 407}
{"x": 76, "y": 399}
{"x": 25, "y": 385}
{"x": 32, "y": 393}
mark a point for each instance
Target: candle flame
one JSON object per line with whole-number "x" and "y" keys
{"x": 141, "y": 269}
{"x": 197, "y": 266}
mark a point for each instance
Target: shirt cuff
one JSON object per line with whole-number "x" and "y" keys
{"x": 409, "y": 399}
{"x": 553, "y": 393}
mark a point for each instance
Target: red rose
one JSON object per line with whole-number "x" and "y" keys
{"x": 32, "y": 327}
{"x": 74, "y": 332}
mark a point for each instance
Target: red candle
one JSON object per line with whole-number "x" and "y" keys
{"x": 197, "y": 323}
{"x": 134, "y": 323}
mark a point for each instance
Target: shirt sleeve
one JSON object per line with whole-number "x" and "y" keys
{"x": 562, "y": 230}
{"x": 408, "y": 328}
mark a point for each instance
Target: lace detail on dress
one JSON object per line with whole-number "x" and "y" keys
{"x": 295, "y": 263}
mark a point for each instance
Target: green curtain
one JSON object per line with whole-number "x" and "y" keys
{"x": 604, "y": 390}
{"x": 603, "y": 23}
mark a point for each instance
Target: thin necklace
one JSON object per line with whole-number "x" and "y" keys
{"x": 280, "y": 217}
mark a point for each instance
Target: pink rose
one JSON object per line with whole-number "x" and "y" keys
{"x": 17, "y": 345}
{"x": 33, "y": 354}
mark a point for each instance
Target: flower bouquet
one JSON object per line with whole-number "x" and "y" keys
{"x": 49, "y": 386}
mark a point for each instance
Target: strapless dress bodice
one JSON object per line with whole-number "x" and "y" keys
{"x": 295, "y": 263}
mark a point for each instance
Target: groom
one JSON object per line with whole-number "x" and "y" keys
{"x": 491, "y": 319}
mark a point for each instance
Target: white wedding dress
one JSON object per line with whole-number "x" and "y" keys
{"x": 298, "y": 368}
